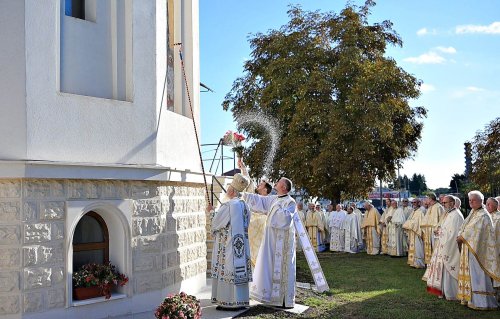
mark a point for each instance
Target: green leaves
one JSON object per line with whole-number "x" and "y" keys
{"x": 486, "y": 158}
{"x": 342, "y": 106}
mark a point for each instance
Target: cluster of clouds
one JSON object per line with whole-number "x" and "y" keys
{"x": 439, "y": 55}
{"x": 493, "y": 28}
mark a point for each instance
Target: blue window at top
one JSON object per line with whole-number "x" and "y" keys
{"x": 75, "y": 8}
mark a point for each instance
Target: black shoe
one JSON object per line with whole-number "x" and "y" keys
{"x": 222, "y": 308}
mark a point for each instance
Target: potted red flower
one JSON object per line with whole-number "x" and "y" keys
{"x": 94, "y": 280}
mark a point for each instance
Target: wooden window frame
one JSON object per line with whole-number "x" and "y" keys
{"x": 99, "y": 245}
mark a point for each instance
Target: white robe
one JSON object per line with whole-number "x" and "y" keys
{"x": 352, "y": 233}
{"x": 407, "y": 211}
{"x": 231, "y": 268}
{"x": 326, "y": 217}
{"x": 274, "y": 273}
{"x": 442, "y": 273}
{"x": 396, "y": 239}
{"x": 335, "y": 222}
{"x": 359, "y": 215}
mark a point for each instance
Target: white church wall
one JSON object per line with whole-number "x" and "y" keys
{"x": 75, "y": 128}
{"x": 86, "y": 53}
{"x": 67, "y": 127}
{"x": 12, "y": 81}
{"x": 177, "y": 145}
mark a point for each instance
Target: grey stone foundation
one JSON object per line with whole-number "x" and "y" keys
{"x": 168, "y": 242}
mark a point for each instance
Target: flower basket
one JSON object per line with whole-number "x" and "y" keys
{"x": 179, "y": 306}
{"x": 100, "y": 277}
{"x": 82, "y": 293}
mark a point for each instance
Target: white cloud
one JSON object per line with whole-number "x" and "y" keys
{"x": 493, "y": 28}
{"x": 475, "y": 89}
{"x": 450, "y": 50}
{"x": 432, "y": 57}
{"x": 424, "y": 31}
{"x": 426, "y": 58}
{"x": 427, "y": 88}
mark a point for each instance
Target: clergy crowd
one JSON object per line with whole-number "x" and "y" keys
{"x": 461, "y": 257}
{"x": 255, "y": 242}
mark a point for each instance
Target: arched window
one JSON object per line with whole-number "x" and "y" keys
{"x": 90, "y": 241}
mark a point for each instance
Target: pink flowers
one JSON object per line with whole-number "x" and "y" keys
{"x": 234, "y": 139}
{"x": 179, "y": 306}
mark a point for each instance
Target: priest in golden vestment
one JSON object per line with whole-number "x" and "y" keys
{"x": 315, "y": 227}
{"x": 429, "y": 224}
{"x": 384, "y": 219}
{"x": 414, "y": 233}
{"x": 257, "y": 225}
{"x": 479, "y": 257}
{"x": 492, "y": 208}
{"x": 371, "y": 230}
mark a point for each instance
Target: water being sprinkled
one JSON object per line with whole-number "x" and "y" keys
{"x": 270, "y": 125}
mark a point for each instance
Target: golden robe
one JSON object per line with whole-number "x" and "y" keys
{"x": 495, "y": 217}
{"x": 315, "y": 228}
{"x": 429, "y": 224}
{"x": 479, "y": 243}
{"x": 371, "y": 231}
{"x": 383, "y": 228}
{"x": 414, "y": 232}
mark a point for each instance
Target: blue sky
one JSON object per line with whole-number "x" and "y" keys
{"x": 452, "y": 46}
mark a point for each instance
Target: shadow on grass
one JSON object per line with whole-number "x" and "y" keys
{"x": 365, "y": 286}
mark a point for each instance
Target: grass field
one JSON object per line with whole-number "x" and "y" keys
{"x": 363, "y": 286}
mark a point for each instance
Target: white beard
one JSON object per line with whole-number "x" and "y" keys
{"x": 225, "y": 198}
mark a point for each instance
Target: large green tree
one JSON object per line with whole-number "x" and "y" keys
{"x": 486, "y": 158}
{"x": 416, "y": 184}
{"x": 341, "y": 104}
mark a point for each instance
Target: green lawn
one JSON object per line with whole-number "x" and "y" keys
{"x": 363, "y": 286}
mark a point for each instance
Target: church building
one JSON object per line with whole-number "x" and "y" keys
{"x": 98, "y": 153}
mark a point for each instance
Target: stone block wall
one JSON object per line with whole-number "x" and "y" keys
{"x": 168, "y": 241}
{"x": 11, "y": 239}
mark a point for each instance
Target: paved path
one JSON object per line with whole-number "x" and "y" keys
{"x": 208, "y": 309}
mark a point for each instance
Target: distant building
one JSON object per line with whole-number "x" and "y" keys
{"x": 84, "y": 144}
{"x": 387, "y": 193}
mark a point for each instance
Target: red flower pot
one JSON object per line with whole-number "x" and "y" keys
{"x": 82, "y": 293}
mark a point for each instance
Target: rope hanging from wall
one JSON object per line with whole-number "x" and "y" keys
{"x": 207, "y": 194}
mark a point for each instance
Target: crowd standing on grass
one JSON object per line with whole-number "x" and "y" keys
{"x": 461, "y": 257}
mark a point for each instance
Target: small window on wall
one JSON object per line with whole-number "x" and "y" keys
{"x": 90, "y": 241}
{"x": 81, "y": 9}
